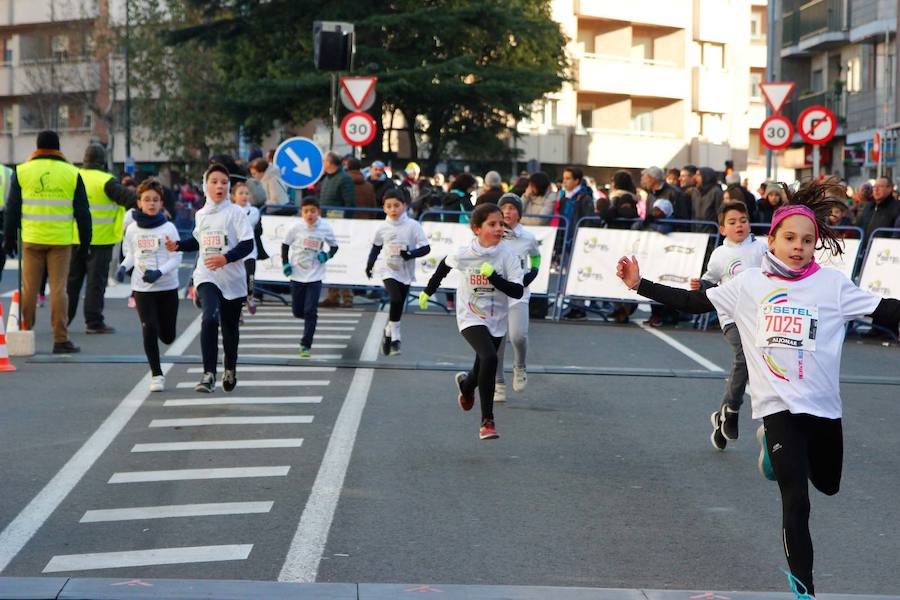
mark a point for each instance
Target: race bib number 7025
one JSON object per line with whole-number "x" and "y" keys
{"x": 787, "y": 326}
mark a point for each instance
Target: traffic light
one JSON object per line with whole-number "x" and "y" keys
{"x": 729, "y": 167}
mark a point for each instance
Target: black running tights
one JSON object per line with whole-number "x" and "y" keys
{"x": 215, "y": 309}
{"x": 158, "y": 312}
{"x": 484, "y": 372}
{"x": 803, "y": 447}
{"x": 398, "y": 293}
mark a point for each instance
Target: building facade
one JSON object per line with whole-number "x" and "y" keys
{"x": 655, "y": 83}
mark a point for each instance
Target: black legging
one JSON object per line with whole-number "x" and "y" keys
{"x": 803, "y": 447}
{"x": 484, "y": 370}
{"x": 397, "y": 292}
{"x": 216, "y": 308}
{"x": 158, "y": 312}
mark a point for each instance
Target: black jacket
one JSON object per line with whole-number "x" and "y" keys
{"x": 881, "y": 215}
{"x": 707, "y": 201}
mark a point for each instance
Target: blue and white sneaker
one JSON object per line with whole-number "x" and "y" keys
{"x": 797, "y": 588}
{"x": 764, "y": 463}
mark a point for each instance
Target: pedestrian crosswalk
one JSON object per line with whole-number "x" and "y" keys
{"x": 187, "y": 441}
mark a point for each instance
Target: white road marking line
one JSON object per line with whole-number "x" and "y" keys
{"x": 219, "y": 445}
{"x": 21, "y": 529}
{"x": 298, "y": 327}
{"x": 292, "y": 336}
{"x": 287, "y": 320}
{"x": 243, "y": 400}
{"x": 265, "y": 312}
{"x": 302, "y": 561}
{"x": 287, "y": 346}
{"x": 143, "y": 558}
{"x": 273, "y": 369}
{"x": 243, "y": 383}
{"x": 703, "y": 362}
{"x": 189, "y": 474}
{"x": 176, "y": 510}
{"x": 316, "y": 356}
{"x": 205, "y": 421}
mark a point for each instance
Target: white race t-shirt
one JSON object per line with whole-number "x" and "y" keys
{"x": 792, "y": 332}
{"x": 218, "y": 229}
{"x": 730, "y": 259}
{"x": 478, "y": 302}
{"x": 306, "y": 242}
{"x": 523, "y": 245}
{"x": 253, "y": 217}
{"x": 145, "y": 250}
{"x": 394, "y": 236}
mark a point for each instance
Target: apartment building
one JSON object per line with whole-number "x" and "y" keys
{"x": 656, "y": 83}
{"x": 842, "y": 54}
{"x": 62, "y": 70}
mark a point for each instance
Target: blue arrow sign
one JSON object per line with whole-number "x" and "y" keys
{"x": 299, "y": 162}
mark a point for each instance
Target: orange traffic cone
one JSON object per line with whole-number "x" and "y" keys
{"x": 14, "y": 312}
{"x": 5, "y": 365}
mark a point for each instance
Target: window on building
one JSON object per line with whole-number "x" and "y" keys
{"x": 585, "y": 118}
{"x": 817, "y": 81}
{"x": 87, "y": 118}
{"x": 712, "y": 55}
{"x": 551, "y": 112}
{"x": 854, "y": 81}
{"x": 62, "y": 116}
{"x": 756, "y": 24}
{"x": 641, "y": 118}
{"x": 756, "y": 78}
{"x": 59, "y": 46}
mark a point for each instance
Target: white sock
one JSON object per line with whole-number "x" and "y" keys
{"x": 395, "y": 330}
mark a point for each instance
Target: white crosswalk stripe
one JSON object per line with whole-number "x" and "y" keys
{"x": 244, "y": 383}
{"x": 207, "y": 421}
{"x": 187, "y": 474}
{"x": 142, "y": 558}
{"x": 173, "y": 511}
{"x": 219, "y": 445}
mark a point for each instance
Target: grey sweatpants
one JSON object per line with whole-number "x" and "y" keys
{"x": 517, "y": 333}
{"x": 737, "y": 379}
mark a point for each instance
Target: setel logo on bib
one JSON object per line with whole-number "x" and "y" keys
{"x": 782, "y": 324}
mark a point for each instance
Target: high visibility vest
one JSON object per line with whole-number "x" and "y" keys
{"x": 107, "y": 217}
{"x": 48, "y": 192}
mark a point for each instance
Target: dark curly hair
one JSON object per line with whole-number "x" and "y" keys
{"x": 820, "y": 196}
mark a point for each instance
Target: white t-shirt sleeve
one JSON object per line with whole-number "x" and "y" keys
{"x": 512, "y": 267}
{"x": 725, "y": 297}
{"x": 243, "y": 229}
{"x": 378, "y": 238}
{"x": 127, "y": 253}
{"x": 714, "y": 267}
{"x": 421, "y": 238}
{"x": 330, "y": 239}
{"x": 174, "y": 260}
{"x": 856, "y": 302}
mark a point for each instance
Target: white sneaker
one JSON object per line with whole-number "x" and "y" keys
{"x": 500, "y": 392}
{"x": 157, "y": 383}
{"x": 520, "y": 379}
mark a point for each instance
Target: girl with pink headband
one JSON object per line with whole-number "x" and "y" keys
{"x": 791, "y": 316}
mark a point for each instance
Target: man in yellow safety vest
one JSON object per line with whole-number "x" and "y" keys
{"x": 47, "y": 201}
{"x": 108, "y": 200}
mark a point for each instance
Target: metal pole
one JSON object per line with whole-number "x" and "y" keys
{"x": 770, "y": 76}
{"x": 815, "y": 159}
{"x": 333, "y": 110}
{"x": 127, "y": 79}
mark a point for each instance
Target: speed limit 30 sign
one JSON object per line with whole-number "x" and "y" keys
{"x": 776, "y": 132}
{"x": 358, "y": 129}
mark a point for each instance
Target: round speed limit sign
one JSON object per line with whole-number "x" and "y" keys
{"x": 776, "y": 132}
{"x": 358, "y": 129}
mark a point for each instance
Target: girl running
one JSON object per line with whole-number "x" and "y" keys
{"x": 223, "y": 236}
{"x": 489, "y": 275}
{"x": 406, "y": 241}
{"x": 154, "y": 281}
{"x": 240, "y": 195}
{"x": 525, "y": 248}
{"x": 792, "y": 314}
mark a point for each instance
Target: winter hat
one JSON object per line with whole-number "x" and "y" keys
{"x": 492, "y": 179}
{"x": 665, "y": 206}
{"x": 513, "y": 199}
{"x": 48, "y": 140}
{"x": 733, "y": 179}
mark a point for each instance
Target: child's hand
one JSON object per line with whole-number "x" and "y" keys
{"x": 695, "y": 284}
{"x": 405, "y": 255}
{"x": 322, "y": 257}
{"x": 215, "y": 262}
{"x": 171, "y": 245}
{"x": 152, "y": 275}
{"x": 423, "y": 300}
{"x": 369, "y": 272}
{"x": 487, "y": 269}
{"x": 629, "y": 271}
{"x": 120, "y": 274}
{"x": 288, "y": 270}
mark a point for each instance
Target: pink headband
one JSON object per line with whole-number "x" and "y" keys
{"x": 790, "y": 210}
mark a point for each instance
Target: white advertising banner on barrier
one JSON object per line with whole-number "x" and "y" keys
{"x": 881, "y": 271}
{"x": 445, "y": 237}
{"x": 843, "y": 263}
{"x": 672, "y": 259}
{"x": 354, "y": 237}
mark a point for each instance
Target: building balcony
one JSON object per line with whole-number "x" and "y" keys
{"x": 50, "y": 77}
{"x": 756, "y": 113}
{"x": 672, "y": 14}
{"x": 628, "y": 149}
{"x": 758, "y": 54}
{"x": 708, "y": 19}
{"x": 872, "y": 18}
{"x": 814, "y": 26}
{"x": 627, "y": 76}
{"x": 712, "y": 90}
{"x": 547, "y": 146}
{"x": 32, "y": 12}
{"x": 866, "y": 111}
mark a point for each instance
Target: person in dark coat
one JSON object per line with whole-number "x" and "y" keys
{"x": 706, "y": 200}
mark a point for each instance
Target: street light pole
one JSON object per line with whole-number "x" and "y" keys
{"x": 127, "y": 79}
{"x": 770, "y": 73}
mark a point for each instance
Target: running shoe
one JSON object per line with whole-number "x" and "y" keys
{"x": 132, "y": 303}
{"x": 229, "y": 380}
{"x": 764, "y": 463}
{"x": 488, "y": 430}
{"x": 451, "y": 304}
{"x": 42, "y": 300}
{"x": 251, "y": 304}
{"x": 395, "y": 348}
{"x": 520, "y": 379}
{"x": 157, "y": 383}
{"x": 385, "y": 344}
{"x": 716, "y": 438}
{"x": 241, "y": 318}
{"x": 729, "y": 419}
{"x": 500, "y": 392}
{"x": 304, "y": 352}
{"x": 799, "y": 590}
{"x": 207, "y": 383}
{"x": 465, "y": 402}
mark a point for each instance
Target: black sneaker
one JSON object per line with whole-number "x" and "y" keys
{"x": 66, "y": 347}
{"x": 718, "y": 440}
{"x": 229, "y": 380}
{"x": 729, "y": 420}
{"x": 395, "y": 348}
{"x": 207, "y": 384}
{"x": 385, "y": 344}
{"x": 101, "y": 328}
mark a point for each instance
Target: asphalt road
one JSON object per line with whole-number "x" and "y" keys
{"x": 596, "y": 481}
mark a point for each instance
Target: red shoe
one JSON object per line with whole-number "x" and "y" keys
{"x": 465, "y": 402}
{"x": 488, "y": 430}
{"x": 654, "y": 321}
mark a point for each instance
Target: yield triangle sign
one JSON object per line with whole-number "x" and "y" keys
{"x": 358, "y": 88}
{"x": 776, "y": 93}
